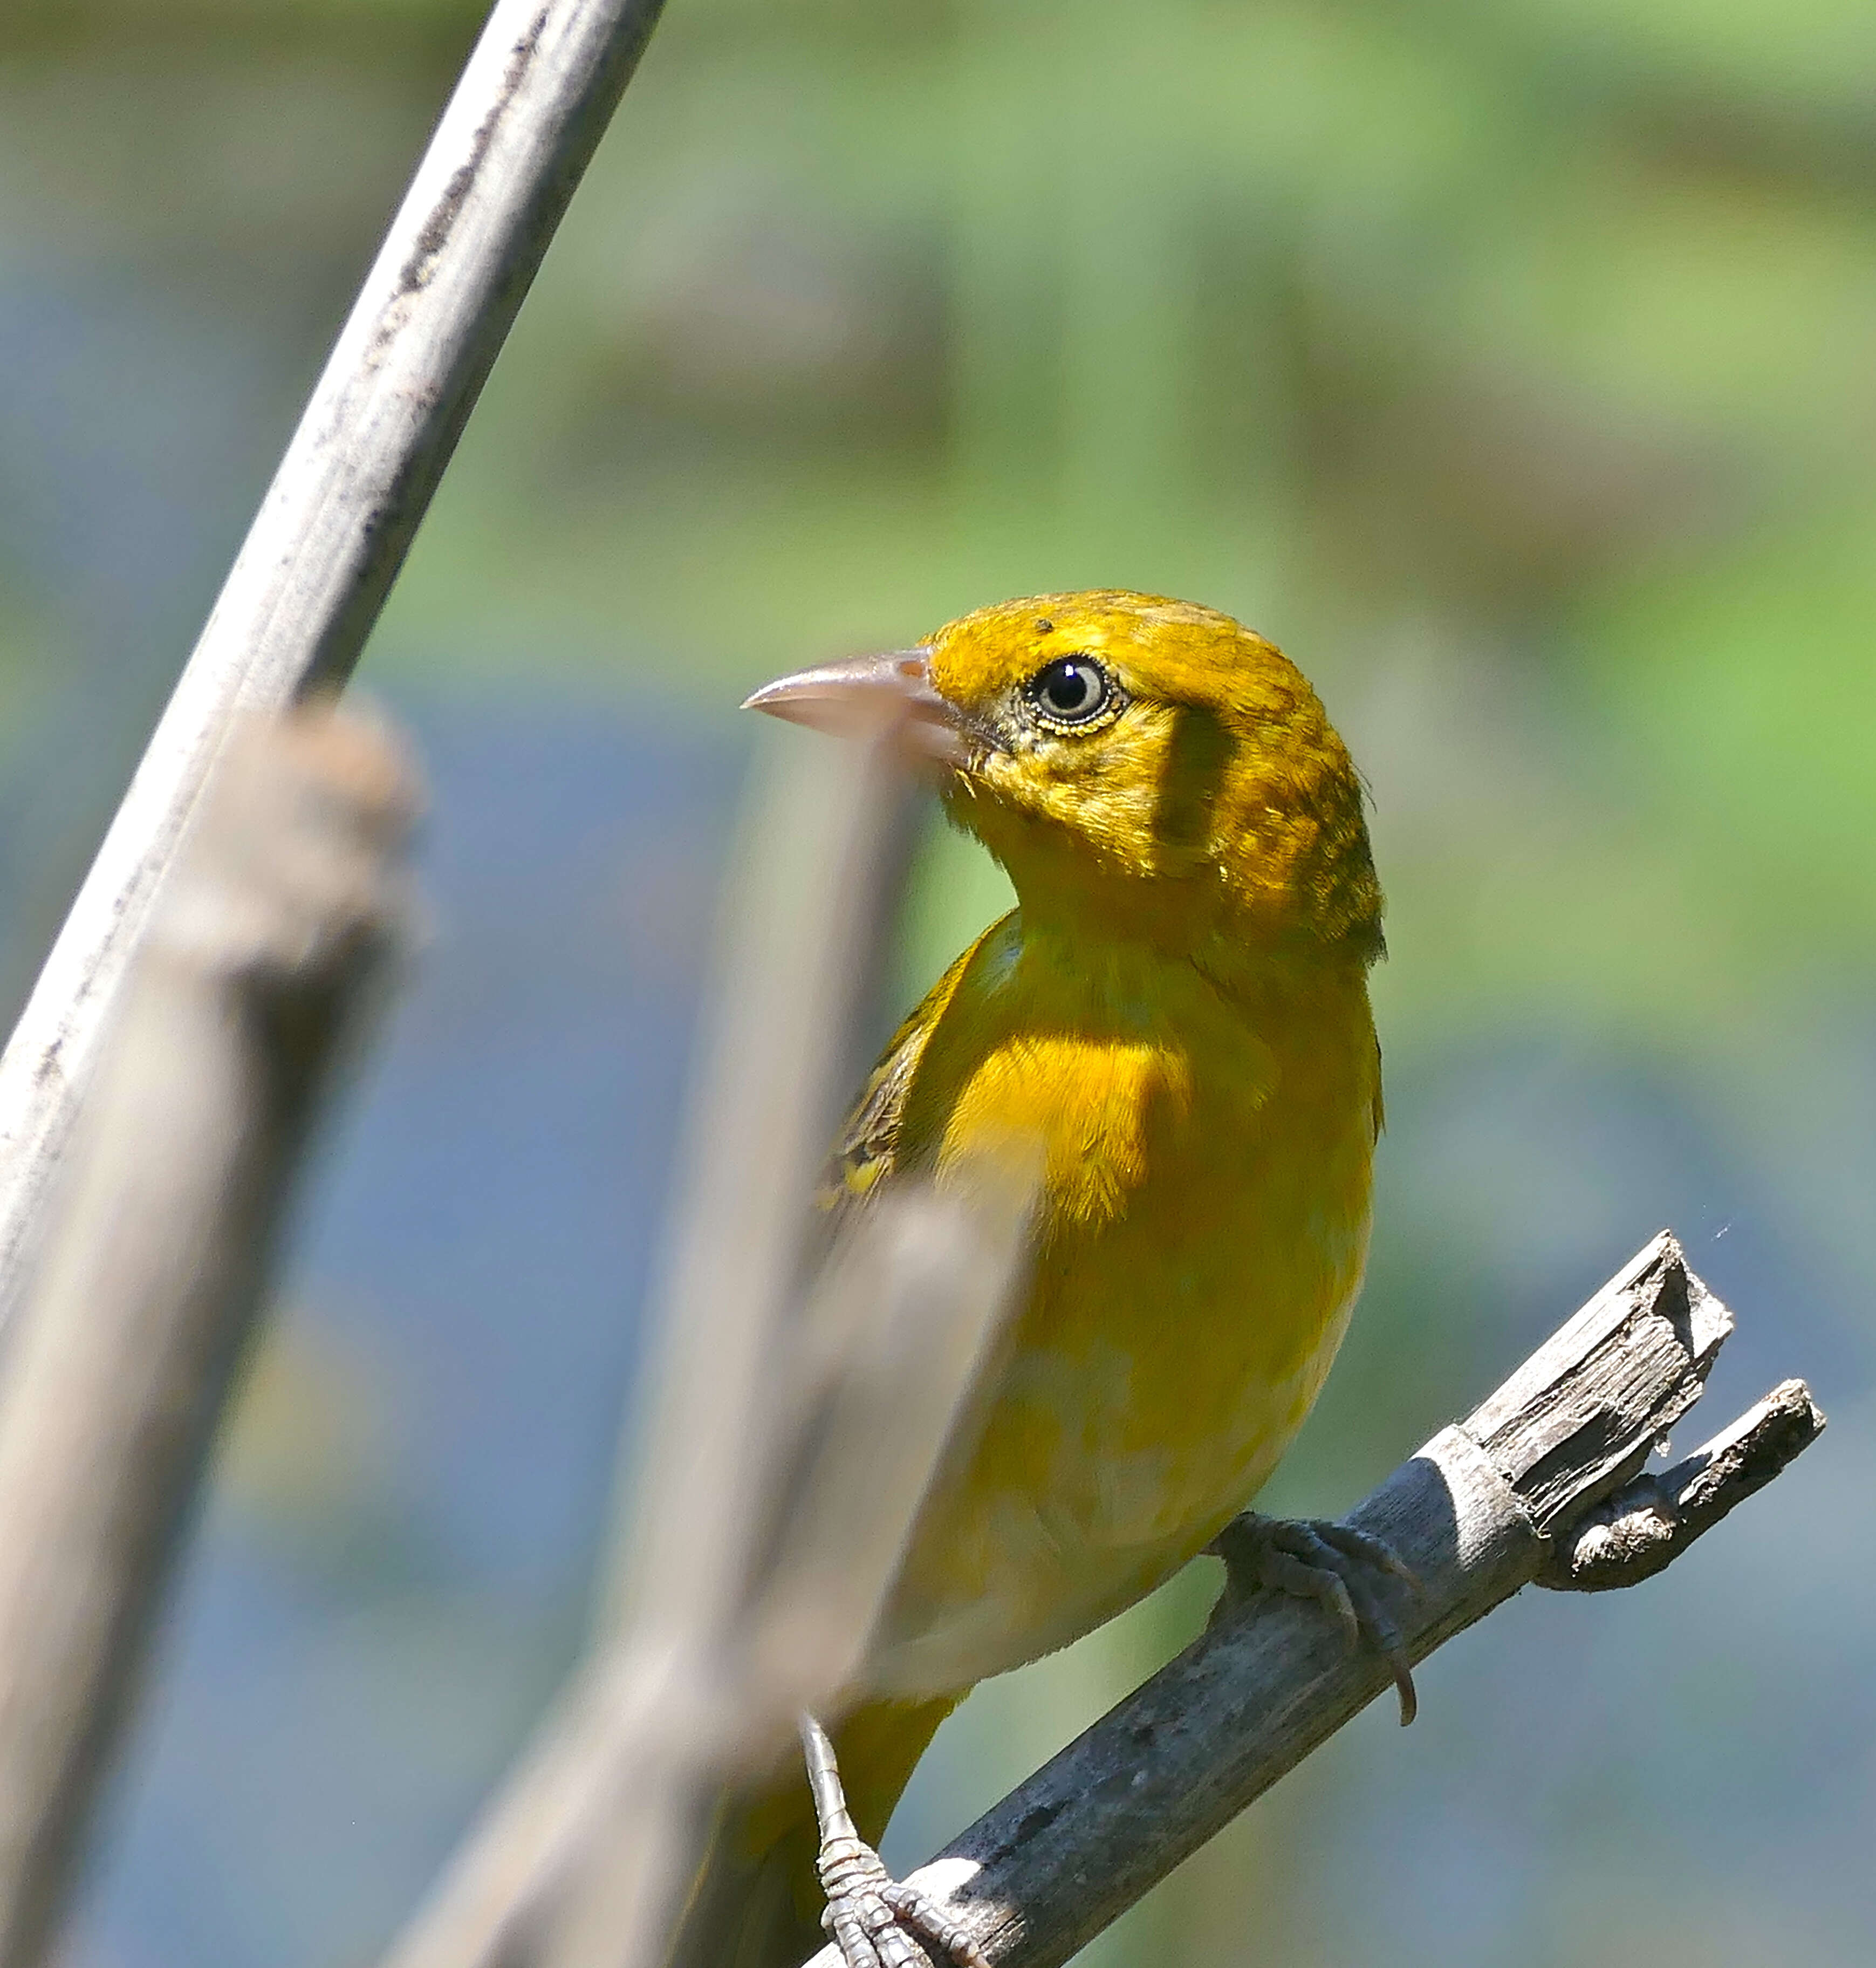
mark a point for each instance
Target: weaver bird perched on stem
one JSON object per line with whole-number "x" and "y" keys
{"x": 1175, "y": 1022}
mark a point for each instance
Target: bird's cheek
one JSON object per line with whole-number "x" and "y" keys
{"x": 1001, "y": 775}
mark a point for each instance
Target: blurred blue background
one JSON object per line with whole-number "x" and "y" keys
{"x": 1509, "y": 362}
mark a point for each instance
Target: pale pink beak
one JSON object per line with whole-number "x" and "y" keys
{"x": 889, "y": 696}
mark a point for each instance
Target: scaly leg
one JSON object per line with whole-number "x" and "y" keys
{"x": 1344, "y": 1571}
{"x": 871, "y": 1917}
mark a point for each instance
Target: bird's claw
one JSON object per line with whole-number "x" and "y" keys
{"x": 877, "y": 1921}
{"x": 1348, "y": 1572}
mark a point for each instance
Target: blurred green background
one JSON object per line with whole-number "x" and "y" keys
{"x": 1509, "y": 361}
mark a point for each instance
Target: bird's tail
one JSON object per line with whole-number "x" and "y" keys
{"x": 756, "y": 1902}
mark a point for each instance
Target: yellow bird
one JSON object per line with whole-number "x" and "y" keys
{"x": 1176, "y": 1015}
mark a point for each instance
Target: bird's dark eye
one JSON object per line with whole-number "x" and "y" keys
{"x": 1070, "y": 690}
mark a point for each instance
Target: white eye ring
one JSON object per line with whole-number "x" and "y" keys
{"x": 1070, "y": 690}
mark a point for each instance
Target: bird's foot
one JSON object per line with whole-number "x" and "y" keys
{"x": 1350, "y": 1574}
{"x": 874, "y": 1920}
{"x": 877, "y": 1921}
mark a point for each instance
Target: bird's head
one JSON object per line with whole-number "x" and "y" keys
{"x": 1152, "y": 760}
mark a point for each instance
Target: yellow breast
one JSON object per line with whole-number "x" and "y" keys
{"x": 1206, "y": 1180}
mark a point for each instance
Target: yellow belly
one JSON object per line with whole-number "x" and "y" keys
{"x": 1206, "y": 1177}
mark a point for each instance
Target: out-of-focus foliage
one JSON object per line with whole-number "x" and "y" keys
{"x": 1508, "y": 361}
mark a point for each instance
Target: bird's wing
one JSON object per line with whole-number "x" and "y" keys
{"x": 867, "y": 1149}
